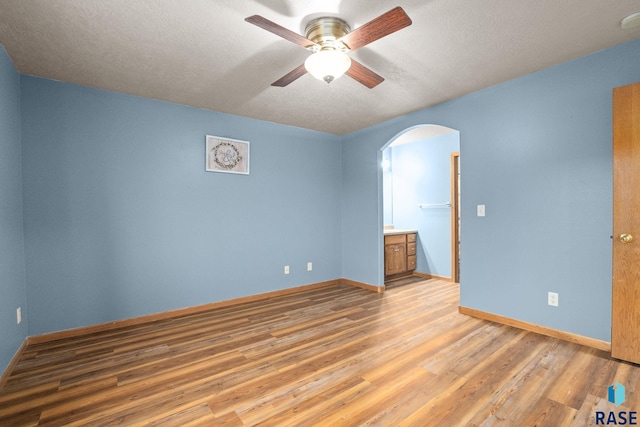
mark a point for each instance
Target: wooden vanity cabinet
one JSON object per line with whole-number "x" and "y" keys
{"x": 399, "y": 254}
{"x": 411, "y": 252}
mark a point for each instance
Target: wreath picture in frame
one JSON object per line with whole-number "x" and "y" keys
{"x": 227, "y": 155}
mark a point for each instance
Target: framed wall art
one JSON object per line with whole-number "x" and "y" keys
{"x": 227, "y": 155}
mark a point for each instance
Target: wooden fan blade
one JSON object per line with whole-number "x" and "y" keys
{"x": 385, "y": 24}
{"x": 290, "y": 77}
{"x": 279, "y": 30}
{"x": 362, "y": 74}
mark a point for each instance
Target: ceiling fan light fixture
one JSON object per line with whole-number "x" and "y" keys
{"x": 328, "y": 65}
{"x": 631, "y": 21}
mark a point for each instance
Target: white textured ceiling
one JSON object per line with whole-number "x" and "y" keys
{"x": 202, "y": 53}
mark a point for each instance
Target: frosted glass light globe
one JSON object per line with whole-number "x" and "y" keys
{"x": 328, "y": 65}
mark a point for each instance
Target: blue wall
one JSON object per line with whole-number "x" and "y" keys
{"x": 122, "y": 220}
{"x": 537, "y": 152}
{"x": 422, "y": 174}
{"x": 12, "y": 280}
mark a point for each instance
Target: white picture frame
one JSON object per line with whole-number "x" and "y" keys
{"x": 227, "y": 155}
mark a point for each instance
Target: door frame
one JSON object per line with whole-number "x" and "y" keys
{"x": 412, "y": 134}
{"x": 455, "y": 216}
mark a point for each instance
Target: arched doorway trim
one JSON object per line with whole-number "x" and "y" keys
{"x": 411, "y": 134}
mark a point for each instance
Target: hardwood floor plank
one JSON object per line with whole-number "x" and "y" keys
{"x": 68, "y": 397}
{"x": 572, "y": 387}
{"x": 199, "y": 414}
{"x": 527, "y": 387}
{"x": 402, "y": 405}
{"x": 166, "y": 386}
{"x": 302, "y": 325}
{"x": 586, "y": 414}
{"x": 479, "y": 344}
{"x": 336, "y": 355}
{"x": 385, "y": 400}
{"x": 465, "y": 399}
{"x": 311, "y": 411}
{"x": 550, "y": 414}
{"x": 7, "y": 395}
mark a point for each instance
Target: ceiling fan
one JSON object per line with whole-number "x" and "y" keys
{"x": 329, "y": 39}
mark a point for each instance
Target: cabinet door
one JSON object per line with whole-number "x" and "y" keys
{"x": 411, "y": 248}
{"x": 411, "y": 262}
{"x": 395, "y": 259}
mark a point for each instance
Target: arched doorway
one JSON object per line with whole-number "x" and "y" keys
{"x": 420, "y": 192}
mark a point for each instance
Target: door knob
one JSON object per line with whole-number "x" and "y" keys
{"x": 625, "y": 238}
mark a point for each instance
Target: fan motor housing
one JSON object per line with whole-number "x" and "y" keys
{"x": 326, "y": 31}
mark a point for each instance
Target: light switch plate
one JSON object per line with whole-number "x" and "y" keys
{"x": 480, "y": 210}
{"x": 552, "y": 299}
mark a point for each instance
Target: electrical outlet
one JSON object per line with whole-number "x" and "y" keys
{"x": 309, "y": 266}
{"x": 552, "y": 299}
{"x": 19, "y": 315}
{"x": 286, "y": 269}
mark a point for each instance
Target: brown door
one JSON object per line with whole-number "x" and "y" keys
{"x": 625, "y": 322}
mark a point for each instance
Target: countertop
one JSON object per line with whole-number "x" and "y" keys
{"x": 392, "y": 231}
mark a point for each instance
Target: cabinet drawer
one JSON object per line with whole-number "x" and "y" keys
{"x": 411, "y": 237}
{"x": 411, "y": 262}
{"x": 411, "y": 248}
{"x": 395, "y": 239}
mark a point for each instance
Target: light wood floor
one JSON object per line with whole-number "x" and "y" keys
{"x": 333, "y": 356}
